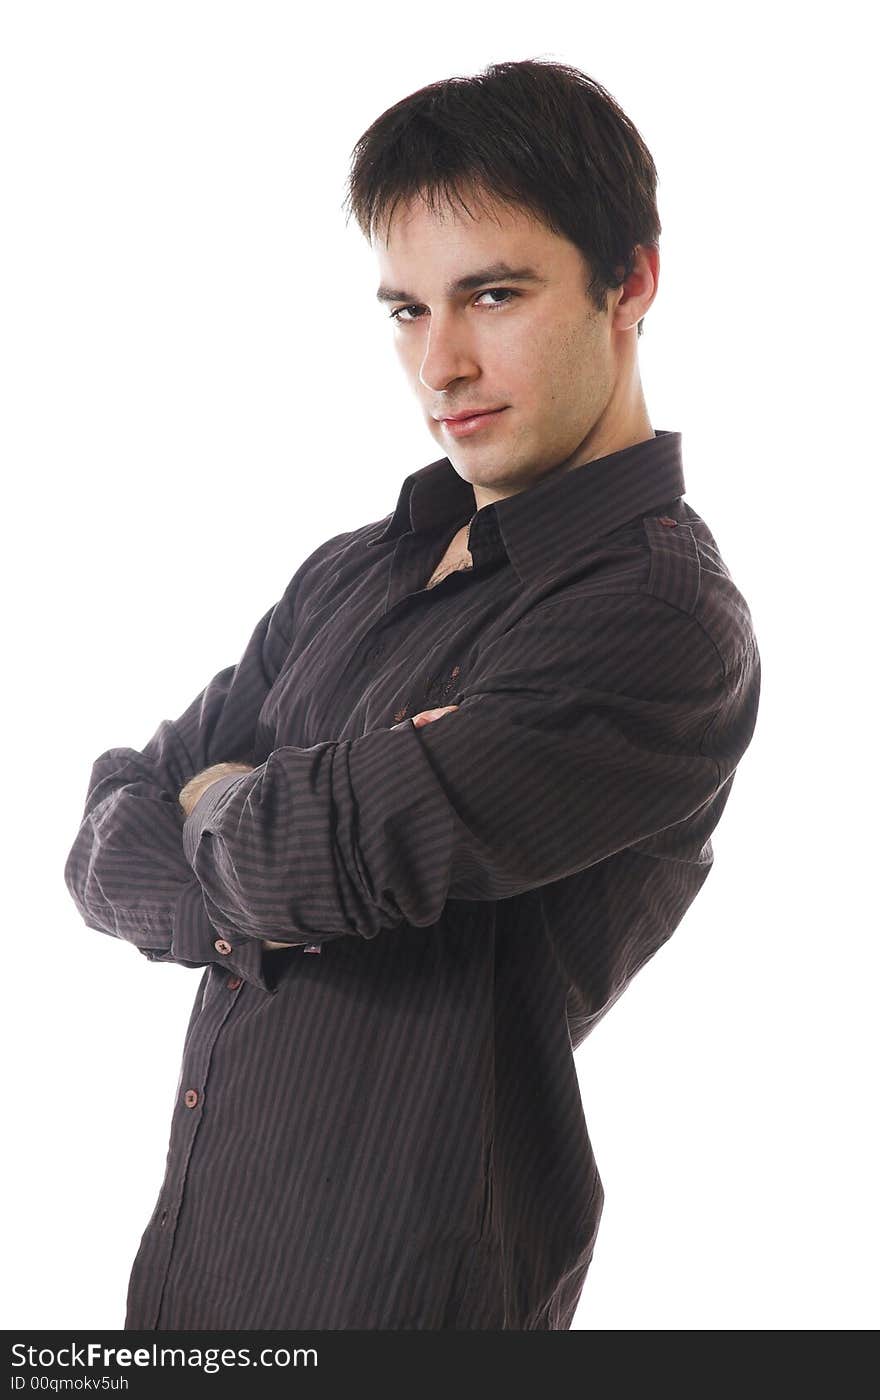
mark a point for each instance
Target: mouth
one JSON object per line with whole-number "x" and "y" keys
{"x": 463, "y": 424}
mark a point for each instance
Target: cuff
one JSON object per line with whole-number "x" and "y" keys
{"x": 249, "y": 950}
{"x": 195, "y": 941}
{"x": 198, "y": 818}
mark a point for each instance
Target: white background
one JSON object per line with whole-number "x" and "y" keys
{"x": 199, "y": 388}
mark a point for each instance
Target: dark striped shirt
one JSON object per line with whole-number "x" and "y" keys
{"x": 381, "y": 1126}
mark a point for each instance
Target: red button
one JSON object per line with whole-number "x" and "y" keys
{"x": 222, "y": 946}
{"x": 233, "y": 982}
{"x": 191, "y": 1098}
{"x": 666, "y": 520}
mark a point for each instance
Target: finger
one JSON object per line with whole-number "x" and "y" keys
{"x": 428, "y": 716}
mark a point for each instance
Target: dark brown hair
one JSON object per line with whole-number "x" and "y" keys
{"x": 535, "y": 134}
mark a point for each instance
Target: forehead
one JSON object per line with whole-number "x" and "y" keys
{"x": 488, "y": 229}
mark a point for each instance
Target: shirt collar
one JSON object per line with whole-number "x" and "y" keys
{"x": 550, "y": 520}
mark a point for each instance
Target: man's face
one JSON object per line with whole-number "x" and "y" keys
{"x": 535, "y": 348}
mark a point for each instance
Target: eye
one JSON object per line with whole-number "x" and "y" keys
{"x": 497, "y": 291}
{"x": 397, "y": 314}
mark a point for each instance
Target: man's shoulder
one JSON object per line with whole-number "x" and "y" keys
{"x": 339, "y": 545}
{"x": 661, "y": 567}
{"x": 688, "y": 572}
{"x": 352, "y": 544}
{"x": 330, "y": 563}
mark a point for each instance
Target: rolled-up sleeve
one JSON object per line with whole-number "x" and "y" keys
{"x": 126, "y": 871}
{"x": 589, "y": 726}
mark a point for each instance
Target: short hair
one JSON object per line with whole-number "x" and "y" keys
{"x": 533, "y": 133}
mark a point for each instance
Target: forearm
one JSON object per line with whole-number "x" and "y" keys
{"x": 200, "y": 784}
{"x": 126, "y": 869}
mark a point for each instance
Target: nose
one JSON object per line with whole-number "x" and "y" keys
{"x": 447, "y": 356}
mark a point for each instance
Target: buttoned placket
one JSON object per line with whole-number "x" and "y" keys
{"x": 193, "y": 1089}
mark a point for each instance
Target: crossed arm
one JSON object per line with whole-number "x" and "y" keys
{"x": 200, "y": 782}
{"x": 592, "y": 724}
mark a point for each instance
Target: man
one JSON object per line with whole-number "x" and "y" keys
{"x": 460, "y": 785}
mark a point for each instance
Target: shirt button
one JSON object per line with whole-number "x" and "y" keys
{"x": 222, "y": 946}
{"x": 666, "y": 520}
{"x": 191, "y": 1098}
{"x": 233, "y": 982}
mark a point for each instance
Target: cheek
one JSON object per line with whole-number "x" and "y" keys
{"x": 543, "y": 347}
{"x": 517, "y": 368}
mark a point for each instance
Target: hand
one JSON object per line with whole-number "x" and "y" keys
{"x": 423, "y": 717}
{"x": 192, "y": 790}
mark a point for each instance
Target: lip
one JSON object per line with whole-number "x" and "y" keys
{"x": 463, "y": 423}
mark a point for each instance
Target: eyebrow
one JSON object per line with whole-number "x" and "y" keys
{"x": 498, "y": 272}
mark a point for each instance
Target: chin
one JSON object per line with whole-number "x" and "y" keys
{"x": 482, "y": 474}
